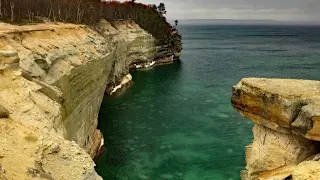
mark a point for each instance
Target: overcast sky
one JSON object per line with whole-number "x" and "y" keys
{"x": 283, "y": 10}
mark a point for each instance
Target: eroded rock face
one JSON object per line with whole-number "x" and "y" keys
{"x": 271, "y": 150}
{"x": 132, "y": 45}
{"x": 286, "y": 113}
{"x": 53, "y": 78}
{"x": 26, "y": 152}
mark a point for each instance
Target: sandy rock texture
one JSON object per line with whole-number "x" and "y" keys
{"x": 53, "y": 79}
{"x": 286, "y": 135}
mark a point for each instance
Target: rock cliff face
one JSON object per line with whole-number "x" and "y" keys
{"x": 131, "y": 44}
{"x": 53, "y": 79}
{"x": 286, "y": 114}
{"x": 172, "y": 49}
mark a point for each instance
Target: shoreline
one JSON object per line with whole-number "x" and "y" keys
{"x": 127, "y": 80}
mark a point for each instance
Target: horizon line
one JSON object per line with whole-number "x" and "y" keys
{"x": 247, "y": 20}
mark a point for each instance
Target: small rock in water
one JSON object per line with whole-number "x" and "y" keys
{"x": 178, "y": 174}
{"x": 166, "y": 176}
{"x": 142, "y": 176}
{"x": 132, "y": 149}
{"x": 143, "y": 145}
{"x": 230, "y": 151}
{"x": 223, "y": 115}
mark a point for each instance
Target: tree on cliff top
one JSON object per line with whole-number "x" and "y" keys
{"x": 162, "y": 9}
{"x": 176, "y": 22}
{"x": 88, "y": 12}
{"x": 154, "y": 7}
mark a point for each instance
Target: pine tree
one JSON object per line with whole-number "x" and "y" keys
{"x": 162, "y": 9}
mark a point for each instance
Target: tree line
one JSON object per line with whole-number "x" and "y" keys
{"x": 89, "y": 12}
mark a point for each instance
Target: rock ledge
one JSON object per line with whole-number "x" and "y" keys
{"x": 287, "y": 117}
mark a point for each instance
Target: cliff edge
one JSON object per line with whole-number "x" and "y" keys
{"x": 286, "y": 114}
{"x": 53, "y": 80}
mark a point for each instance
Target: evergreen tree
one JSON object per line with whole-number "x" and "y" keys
{"x": 176, "y": 22}
{"x": 154, "y": 7}
{"x": 162, "y": 9}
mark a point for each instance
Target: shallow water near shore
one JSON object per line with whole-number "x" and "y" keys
{"x": 176, "y": 121}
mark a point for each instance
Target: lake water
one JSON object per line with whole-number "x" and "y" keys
{"x": 176, "y": 122}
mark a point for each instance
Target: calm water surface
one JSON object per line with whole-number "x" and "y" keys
{"x": 176, "y": 122}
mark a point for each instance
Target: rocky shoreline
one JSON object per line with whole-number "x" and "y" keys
{"x": 126, "y": 81}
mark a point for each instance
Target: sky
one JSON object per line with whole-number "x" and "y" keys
{"x": 280, "y": 10}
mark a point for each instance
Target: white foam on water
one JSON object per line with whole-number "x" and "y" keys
{"x": 124, "y": 81}
{"x": 138, "y": 66}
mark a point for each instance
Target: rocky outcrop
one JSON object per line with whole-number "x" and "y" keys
{"x": 286, "y": 113}
{"x": 135, "y": 50}
{"x": 53, "y": 79}
{"x": 171, "y": 50}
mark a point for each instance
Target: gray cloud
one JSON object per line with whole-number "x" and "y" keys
{"x": 288, "y": 10}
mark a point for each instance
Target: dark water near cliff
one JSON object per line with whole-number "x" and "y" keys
{"x": 176, "y": 121}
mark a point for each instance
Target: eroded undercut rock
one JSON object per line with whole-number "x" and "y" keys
{"x": 286, "y": 113}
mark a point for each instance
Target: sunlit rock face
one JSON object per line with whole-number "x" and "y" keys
{"x": 53, "y": 79}
{"x": 52, "y": 83}
{"x": 286, "y": 134}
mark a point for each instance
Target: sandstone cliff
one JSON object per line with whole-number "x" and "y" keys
{"x": 53, "y": 79}
{"x": 286, "y": 114}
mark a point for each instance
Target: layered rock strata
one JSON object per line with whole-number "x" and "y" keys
{"x": 286, "y": 114}
{"x": 136, "y": 49}
{"x": 53, "y": 79}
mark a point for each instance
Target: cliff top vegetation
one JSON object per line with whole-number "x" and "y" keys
{"x": 89, "y": 12}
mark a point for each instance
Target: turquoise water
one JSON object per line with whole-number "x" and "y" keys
{"x": 176, "y": 122}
